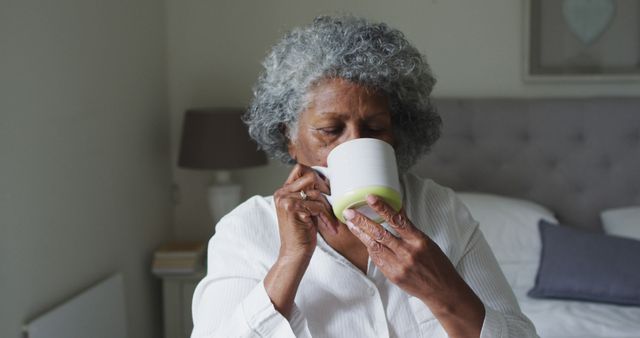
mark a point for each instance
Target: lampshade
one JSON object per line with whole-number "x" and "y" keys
{"x": 216, "y": 138}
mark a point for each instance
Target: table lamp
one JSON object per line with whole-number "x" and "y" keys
{"x": 217, "y": 139}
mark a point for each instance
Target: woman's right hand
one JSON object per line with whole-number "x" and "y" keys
{"x": 299, "y": 219}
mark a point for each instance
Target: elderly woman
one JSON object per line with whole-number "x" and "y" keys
{"x": 284, "y": 266}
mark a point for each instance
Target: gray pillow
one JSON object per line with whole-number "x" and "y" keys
{"x": 581, "y": 265}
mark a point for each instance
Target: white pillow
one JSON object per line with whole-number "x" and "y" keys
{"x": 623, "y": 222}
{"x": 510, "y": 225}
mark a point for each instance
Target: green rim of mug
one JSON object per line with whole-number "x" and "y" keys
{"x": 356, "y": 198}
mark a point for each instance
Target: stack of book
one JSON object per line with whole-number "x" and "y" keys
{"x": 179, "y": 258}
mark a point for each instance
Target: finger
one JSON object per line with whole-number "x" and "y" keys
{"x": 372, "y": 229}
{"x": 311, "y": 195}
{"x": 380, "y": 254}
{"x": 308, "y": 179}
{"x": 325, "y": 214}
{"x": 316, "y": 195}
{"x": 303, "y": 217}
{"x": 316, "y": 205}
{"x": 398, "y": 220}
{"x": 320, "y": 179}
{"x": 333, "y": 222}
{"x": 320, "y": 210}
{"x": 325, "y": 179}
{"x": 296, "y": 172}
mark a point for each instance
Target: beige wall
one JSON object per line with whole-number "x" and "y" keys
{"x": 215, "y": 47}
{"x": 84, "y": 152}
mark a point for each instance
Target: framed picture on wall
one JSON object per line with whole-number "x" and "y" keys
{"x": 582, "y": 40}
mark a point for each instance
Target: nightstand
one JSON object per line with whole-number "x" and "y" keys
{"x": 177, "y": 292}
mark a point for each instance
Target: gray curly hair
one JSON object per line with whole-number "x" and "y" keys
{"x": 370, "y": 54}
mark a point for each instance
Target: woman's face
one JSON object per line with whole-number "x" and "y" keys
{"x": 338, "y": 111}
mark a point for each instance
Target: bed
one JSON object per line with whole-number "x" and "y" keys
{"x": 517, "y": 161}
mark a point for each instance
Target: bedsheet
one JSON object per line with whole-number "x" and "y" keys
{"x": 562, "y": 318}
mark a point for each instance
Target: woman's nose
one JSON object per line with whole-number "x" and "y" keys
{"x": 356, "y": 132}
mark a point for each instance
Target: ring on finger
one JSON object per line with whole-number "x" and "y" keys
{"x": 303, "y": 195}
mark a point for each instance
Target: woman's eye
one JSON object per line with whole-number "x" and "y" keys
{"x": 377, "y": 129}
{"x": 330, "y": 130}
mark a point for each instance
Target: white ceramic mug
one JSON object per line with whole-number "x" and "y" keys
{"x": 358, "y": 168}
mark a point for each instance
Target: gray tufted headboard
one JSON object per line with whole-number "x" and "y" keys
{"x": 575, "y": 156}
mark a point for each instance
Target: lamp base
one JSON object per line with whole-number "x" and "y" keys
{"x": 223, "y": 198}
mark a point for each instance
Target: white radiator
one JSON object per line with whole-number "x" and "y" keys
{"x": 98, "y": 312}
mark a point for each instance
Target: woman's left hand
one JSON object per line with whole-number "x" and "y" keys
{"x": 417, "y": 265}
